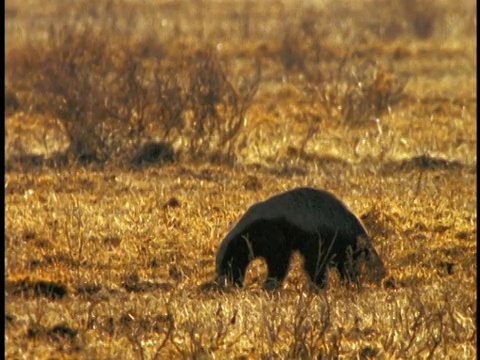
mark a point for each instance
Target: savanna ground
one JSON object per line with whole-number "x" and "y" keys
{"x": 137, "y": 132}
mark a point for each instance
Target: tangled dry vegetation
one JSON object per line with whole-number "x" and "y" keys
{"x": 138, "y": 131}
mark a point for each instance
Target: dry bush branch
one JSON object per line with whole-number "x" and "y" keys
{"x": 308, "y": 333}
{"x": 217, "y": 108}
{"x": 355, "y": 93}
{"x": 72, "y": 80}
{"x": 371, "y": 91}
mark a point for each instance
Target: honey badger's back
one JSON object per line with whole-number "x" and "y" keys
{"x": 306, "y": 208}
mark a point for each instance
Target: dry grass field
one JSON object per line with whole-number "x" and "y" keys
{"x": 110, "y": 244}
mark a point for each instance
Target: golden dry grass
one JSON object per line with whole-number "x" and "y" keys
{"x": 117, "y": 263}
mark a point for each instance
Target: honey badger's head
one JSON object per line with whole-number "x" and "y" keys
{"x": 366, "y": 262}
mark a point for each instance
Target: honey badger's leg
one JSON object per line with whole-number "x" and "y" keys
{"x": 270, "y": 242}
{"x": 348, "y": 268}
{"x": 315, "y": 264}
{"x": 316, "y": 271}
{"x": 278, "y": 261}
{"x": 317, "y": 252}
{"x": 234, "y": 264}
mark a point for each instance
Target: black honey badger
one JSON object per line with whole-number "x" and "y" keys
{"x": 313, "y": 222}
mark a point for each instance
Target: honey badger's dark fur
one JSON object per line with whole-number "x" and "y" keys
{"x": 313, "y": 222}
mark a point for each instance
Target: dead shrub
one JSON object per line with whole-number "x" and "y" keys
{"x": 105, "y": 98}
{"x": 389, "y": 21}
{"x": 171, "y": 104}
{"x": 304, "y": 44}
{"x": 154, "y": 152}
{"x": 354, "y": 93}
{"x": 423, "y": 17}
{"x": 216, "y": 109}
{"x": 190, "y": 102}
{"x": 292, "y": 52}
{"x": 370, "y": 91}
{"x": 149, "y": 98}
{"x": 69, "y": 73}
{"x": 110, "y": 99}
